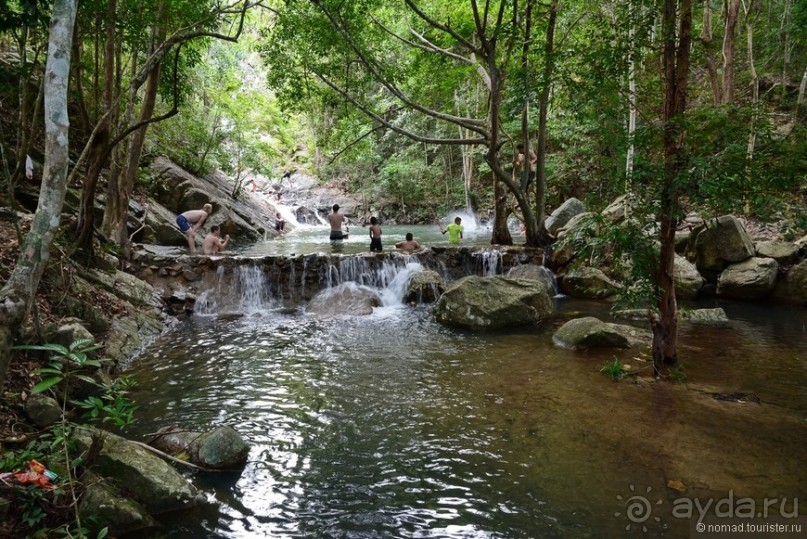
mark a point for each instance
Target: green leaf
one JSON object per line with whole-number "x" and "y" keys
{"x": 88, "y": 379}
{"x": 46, "y": 384}
{"x": 50, "y": 347}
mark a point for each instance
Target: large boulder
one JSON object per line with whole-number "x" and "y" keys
{"x": 591, "y": 332}
{"x": 751, "y": 279}
{"x": 161, "y": 228}
{"x": 222, "y": 448}
{"x": 688, "y": 281}
{"x": 347, "y": 299}
{"x": 483, "y": 303}
{"x": 615, "y": 210}
{"x": 783, "y": 252}
{"x": 534, "y": 272}
{"x": 721, "y": 242}
{"x": 563, "y": 214}
{"x": 586, "y": 282}
{"x": 147, "y": 478}
{"x": 793, "y": 288}
{"x": 573, "y": 223}
{"x": 424, "y": 287}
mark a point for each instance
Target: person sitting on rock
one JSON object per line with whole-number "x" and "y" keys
{"x": 280, "y": 223}
{"x": 213, "y": 243}
{"x": 409, "y": 246}
{"x": 191, "y": 221}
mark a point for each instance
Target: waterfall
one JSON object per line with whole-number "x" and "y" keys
{"x": 488, "y": 262}
{"x": 389, "y": 277}
{"x": 245, "y": 291}
{"x": 393, "y": 293}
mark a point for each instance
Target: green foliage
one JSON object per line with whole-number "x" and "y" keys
{"x": 112, "y": 406}
{"x": 64, "y": 363}
{"x": 678, "y": 374}
{"x": 615, "y": 370}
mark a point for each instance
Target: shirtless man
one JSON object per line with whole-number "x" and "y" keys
{"x": 191, "y": 221}
{"x": 410, "y": 245}
{"x": 336, "y": 219}
{"x": 375, "y": 235}
{"x": 213, "y": 243}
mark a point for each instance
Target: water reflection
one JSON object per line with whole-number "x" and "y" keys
{"x": 393, "y": 426}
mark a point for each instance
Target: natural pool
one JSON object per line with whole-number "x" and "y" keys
{"x": 391, "y": 425}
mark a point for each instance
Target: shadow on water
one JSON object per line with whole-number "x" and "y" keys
{"x": 391, "y": 425}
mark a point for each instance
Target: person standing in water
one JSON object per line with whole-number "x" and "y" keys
{"x": 409, "y": 246}
{"x": 191, "y": 221}
{"x": 375, "y": 235}
{"x": 336, "y": 219}
{"x": 454, "y": 231}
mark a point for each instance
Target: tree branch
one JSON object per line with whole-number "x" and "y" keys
{"x": 395, "y": 128}
{"x": 470, "y": 46}
{"x": 477, "y": 126}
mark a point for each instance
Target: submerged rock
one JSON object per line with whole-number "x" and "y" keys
{"x": 705, "y": 316}
{"x": 347, "y": 299}
{"x": 222, "y": 448}
{"x": 482, "y": 303}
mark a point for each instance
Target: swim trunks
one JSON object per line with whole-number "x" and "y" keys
{"x": 182, "y": 223}
{"x": 337, "y": 235}
{"x": 375, "y": 244}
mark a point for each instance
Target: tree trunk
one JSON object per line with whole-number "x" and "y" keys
{"x": 728, "y": 50}
{"x": 632, "y": 110}
{"x": 676, "y": 72}
{"x": 752, "y": 130}
{"x": 117, "y": 205}
{"x": 711, "y": 65}
{"x": 501, "y": 234}
{"x": 19, "y": 293}
{"x": 787, "y": 48}
{"x": 100, "y": 147}
{"x": 540, "y": 165}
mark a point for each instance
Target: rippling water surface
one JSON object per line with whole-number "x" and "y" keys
{"x": 393, "y": 426}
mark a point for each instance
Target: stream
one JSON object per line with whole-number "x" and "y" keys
{"x": 391, "y": 425}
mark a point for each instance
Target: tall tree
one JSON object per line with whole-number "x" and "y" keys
{"x": 675, "y": 61}
{"x": 19, "y": 292}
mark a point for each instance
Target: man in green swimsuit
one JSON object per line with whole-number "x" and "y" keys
{"x": 454, "y": 231}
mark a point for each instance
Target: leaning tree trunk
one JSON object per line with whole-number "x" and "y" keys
{"x": 99, "y": 153}
{"x": 119, "y": 193}
{"x": 18, "y": 294}
{"x": 676, "y": 71}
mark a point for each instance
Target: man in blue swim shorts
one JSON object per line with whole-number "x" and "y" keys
{"x": 191, "y": 221}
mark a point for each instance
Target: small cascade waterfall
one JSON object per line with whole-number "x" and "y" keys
{"x": 360, "y": 271}
{"x": 488, "y": 263}
{"x": 245, "y": 291}
{"x": 393, "y": 293}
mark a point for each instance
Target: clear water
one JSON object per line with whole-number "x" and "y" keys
{"x": 391, "y": 425}
{"x": 315, "y": 239}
